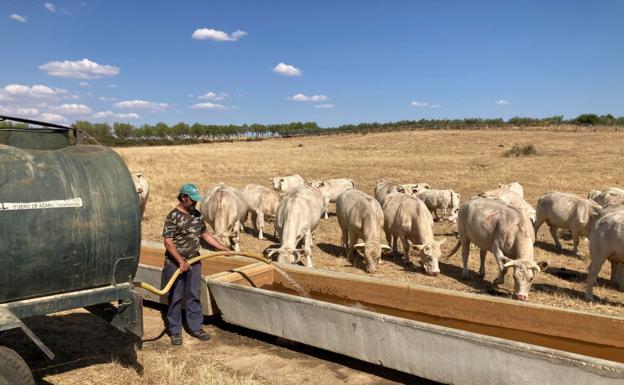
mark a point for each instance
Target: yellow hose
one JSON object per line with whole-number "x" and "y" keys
{"x": 191, "y": 261}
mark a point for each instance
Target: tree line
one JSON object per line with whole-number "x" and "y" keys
{"x": 124, "y": 134}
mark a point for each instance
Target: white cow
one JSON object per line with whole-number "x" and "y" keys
{"x": 609, "y": 197}
{"x": 606, "y": 242}
{"x": 385, "y": 187}
{"x": 511, "y": 194}
{"x": 415, "y": 188}
{"x": 224, "y": 209}
{"x": 566, "y": 211}
{"x": 263, "y": 203}
{"x": 331, "y": 189}
{"x": 445, "y": 200}
{"x": 505, "y": 231}
{"x": 298, "y": 214}
{"x": 408, "y": 218}
{"x": 360, "y": 218}
{"x": 282, "y": 184}
{"x": 141, "y": 186}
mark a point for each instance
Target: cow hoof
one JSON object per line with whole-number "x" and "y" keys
{"x": 498, "y": 281}
{"x": 520, "y": 297}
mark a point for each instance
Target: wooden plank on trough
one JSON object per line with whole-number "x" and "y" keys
{"x": 478, "y": 309}
{"x": 156, "y": 257}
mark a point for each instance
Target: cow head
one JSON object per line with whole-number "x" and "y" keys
{"x": 429, "y": 255}
{"x": 285, "y": 255}
{"x": 138, "y": 185}
{"x": 225, "y": 238}
{"x": 372, "y": 251}
{"x": 276, "y": 181}
{"x": 524, "y": 272}
{"x": 315, "y": 183}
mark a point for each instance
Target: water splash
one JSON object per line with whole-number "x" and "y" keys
{"x": 300, "y": 290}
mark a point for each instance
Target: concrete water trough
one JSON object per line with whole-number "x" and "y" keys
{"x": 437, "y": 334}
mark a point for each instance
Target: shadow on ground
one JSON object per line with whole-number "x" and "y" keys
{"x": 78, "y": 340}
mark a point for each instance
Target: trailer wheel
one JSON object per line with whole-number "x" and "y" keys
{"x": 13, "y": 369}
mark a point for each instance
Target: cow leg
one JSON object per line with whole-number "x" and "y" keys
{"x": 236, "y": 237}
{"x": 498, "y": 253}
{"x": 259, "y": 223}
{"x": 465, "y": 244}
{"x": 592, "y": 273}
{"x": 389, "y": 240}
{"x": 576, "y": 237}
{"x": 406, "y": 248}
{"x": 345, "y": 242}
{"x": 307, "y": 248}
{"x": 553, "y": 233}
{"x": 614, "y": 267}
{"x": 482, "y": 254}
{"x": 351, "y": 239}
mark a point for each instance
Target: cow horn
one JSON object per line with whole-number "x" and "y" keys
{"x": 361, "y": 244}
{"x": 419, "y": 247}
{"x": 386, "y": 247}
{"x": 510, "y": 263}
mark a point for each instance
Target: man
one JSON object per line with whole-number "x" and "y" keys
{"x": 184, "y": 227}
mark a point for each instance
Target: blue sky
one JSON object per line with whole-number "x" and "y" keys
{"x": 341, "y": 61}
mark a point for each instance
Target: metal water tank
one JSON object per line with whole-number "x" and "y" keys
{"x": 69, "y": 216}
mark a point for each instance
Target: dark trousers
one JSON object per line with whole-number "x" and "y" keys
{"x": 185, "y": 288}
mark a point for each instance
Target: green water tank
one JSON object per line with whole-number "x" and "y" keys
{"x": 69, "y": 216}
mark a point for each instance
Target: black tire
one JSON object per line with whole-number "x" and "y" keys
{"x": 13, "y": 369}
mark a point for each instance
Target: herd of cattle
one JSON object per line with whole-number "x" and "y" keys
{"x": 499, "y": 221}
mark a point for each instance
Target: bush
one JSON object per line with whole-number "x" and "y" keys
{"x": 518, "y": 150}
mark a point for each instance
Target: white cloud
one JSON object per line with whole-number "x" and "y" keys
{"x": 85, "y": 84}
{"x": 111, "y": 114}
{"x": 141, "y": 105}
{"x": 213, "y": 34}
{"x": 287, "y": 70}
{"x": 304, "y": 98}
{"x": 50, "y": 7}
{"x": 416, "y": 103}
{"x": 79, "y": 69}
{"x": 213, "y": 96}
{"x": 324, "y": 106}
{"x": 435, "y": 105}
{"x": 37, "y": 91}
{"x": 16, "y": 17}
{"x": 502, "y": 102}
{"x": 52, "y": 118}
{"x": 72, "y": 109}
{"x": 208, "y": 106}
{"x": 107, "y": 99}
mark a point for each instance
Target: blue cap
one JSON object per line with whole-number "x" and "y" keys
{"x": 192, "y": 191}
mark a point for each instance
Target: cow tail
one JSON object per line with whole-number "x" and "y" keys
{"x": 453, "y": 199}
{"x": 453, "y": 251}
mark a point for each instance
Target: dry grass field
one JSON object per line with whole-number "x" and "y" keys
{"x": 465, "y": 161}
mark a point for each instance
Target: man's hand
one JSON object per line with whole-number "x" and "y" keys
{"x": 184, "y": 266}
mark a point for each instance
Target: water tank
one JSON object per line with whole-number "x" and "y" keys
{"x": 69, "y": 217}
